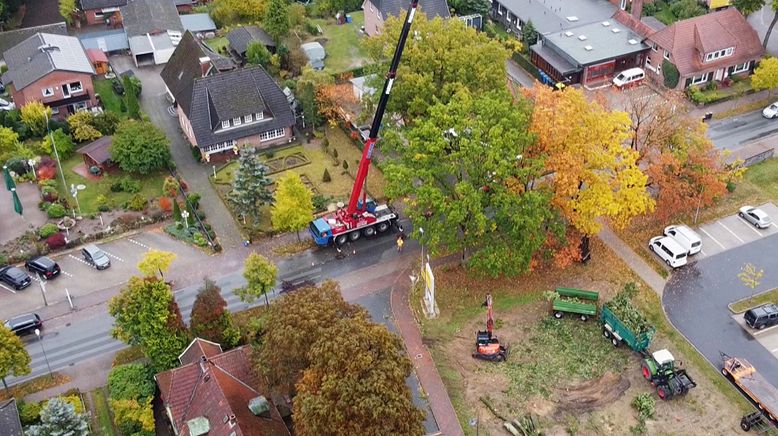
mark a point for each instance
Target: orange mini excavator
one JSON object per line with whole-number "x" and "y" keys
{"x": 487, "y": 346}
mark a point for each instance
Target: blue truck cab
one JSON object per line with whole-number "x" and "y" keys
{"x": 321, "y": 232}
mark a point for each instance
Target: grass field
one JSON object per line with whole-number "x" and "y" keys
{"x": 741, "y": 306}
{"x": 342, "y": 46}
{"x": 102, "y": 423}
{"x": 218, "y": 44}
{"x": 111, "y": 100}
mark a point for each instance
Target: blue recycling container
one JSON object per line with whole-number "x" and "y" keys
{"x": 348, "y": 18}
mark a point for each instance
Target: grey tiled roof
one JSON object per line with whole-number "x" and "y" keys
{"x": 12, "y": 37}
{"x": 240, "y": 38}
{"x": 432, "y": 8}
{"x": 236, "y": 93}
{"x": 43, "y": 53}
{"x": 150, "y": 16}
{"x": 9, "y": 418}
{"x": 184, "y": 66}
{"x": 99, "y": 4}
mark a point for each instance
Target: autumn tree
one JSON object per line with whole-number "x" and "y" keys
{"x": 156, "y": 261}
{"x": 361, "y": 364}
{"x": 276, "y": 21}
{"x": 14, "y": 360}
{"x": 766, "y": 75}
{"x": 308, "y": 85}
{"x": 229, "y": 12}
{"x": 299, "y": 320}
{"x": 58, "y": 417}
{"x": 82, "y": 128}
{"x": 250, "y": 186}
{"x": 170, "y": 187}
{"x": 140, "y": 147}
{"x": 34, "y": 115}
{"x": 466, "y": 173}
{"x": 331, "y": 98}
{"x": 210, "y": 318}
{"x": 442, "y": 57}
{"x": 260, "y": 274}
{"x": 68, "y": 9}
{"x": 257, "y": 54}
{"x": 293, "y": 204}
{"x": 146, "y": 314}
{"x": 590, "y": 171}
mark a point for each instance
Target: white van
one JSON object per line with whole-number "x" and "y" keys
{"x": 670, "y": 251}
{"x": 632, "y": 76}
{"x": 685, "y": 236}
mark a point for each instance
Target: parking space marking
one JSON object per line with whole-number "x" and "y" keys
{"x": 80, "y": 260}
{"x": 702, "y": 252}
{"x": 775, "y": 225}
{"x": 730, "y": 231}
{"x": 750, "y": 226}
{"x": 774, "y": 350}
{"x": 115, "y": 257}
{"x": 7, "y": 288}
{"x": 67, "y": 274}
{"x": 139, "y": 243}
{"x": 714, "y": 239}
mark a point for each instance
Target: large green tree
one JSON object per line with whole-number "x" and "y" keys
{"x": 296, "y": 322}
{"x": 229, "y": 12}
{"x": 442, "y": 57}
{"x": 257, "y": 54}
{"x": 250, "y": 187}
{"x": 14, "y": 359}
{"x": 59, "y": 418}
{"x": 146, "y": 314}
{"x": 9, "y": 143}
{"x": 34, "y": 115}
{"x": 140, "y": 147}
{"x": 465, "y": 171}
{"x": 766, "y": 75}
{"x": 276, "y": 22}
{"x": 363, "y": 365}
{"x": 260, "y": 274}
{"x": 467, "y": 7}
{"x": 210, "y": 318}
{"x": 748, "y": 7}
{"x": 68, "y": 8}
{"x": 63, "y": 142}
{"x": 293, "y": 205}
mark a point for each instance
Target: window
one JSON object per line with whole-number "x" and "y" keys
{"x": 225, "y": 124}
{"x": 740, "y": 68}
{"x": 248, "y": 118}
{"x": 78, "y": 107}
{"x": 236, "y": 121}
{"x": 260, "y": 116}
{"x": 75, "y": 87}
{"x": 271, "y": 134}
{"x": 719, "y": 54}
{"x": 99, "y": 14}
{"x": 54, "y": 110}
{"x": 648, "y": 60}
{"x": 667, "y": 55}
{"x": 47, "y": 92}
{"x": 655, "y": 47}
{"x": 700, "y": 79}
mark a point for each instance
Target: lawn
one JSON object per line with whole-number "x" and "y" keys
{"x": 219, "y": 45}
{"x": 111, "y": 100}
{"x": 741, "y": 306}
{"x": 151, "y": 186}
{"x": 102, "y": 422}
{"x": 341, "y": 44}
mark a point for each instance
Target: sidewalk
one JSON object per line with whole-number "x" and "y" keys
{"x": 633, "y": 260}
{"x": 727, "y": 105}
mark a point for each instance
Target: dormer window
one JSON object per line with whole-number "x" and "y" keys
{"x": 260, "y": 116}
{"x": 225, "y": 124}
{"x": 236, "y": 121}
{"x": 712, "y": 56}
{"x": 248, "y": 118}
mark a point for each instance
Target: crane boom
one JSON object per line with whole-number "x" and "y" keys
{"x": 367, "y": 152}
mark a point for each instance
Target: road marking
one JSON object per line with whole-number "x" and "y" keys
{"x": 750, "y": 226}
{"x": 730, "y": 231}
{"x": 139, "y": 243}
{"x": 81, "y": 260}
{"x": 67, "y": 274}
{"x": 115, "y": 257}
{"x": 774, "y": 225}
{"x": 702, "y": 252}
{"x": 34, "y": 278}
{"x": 774, "y": 350}
{"x": 6, "y": 288}
{"x": 714, "y": 239}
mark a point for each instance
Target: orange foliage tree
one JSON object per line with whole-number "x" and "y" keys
{"x": 334, "y": 99}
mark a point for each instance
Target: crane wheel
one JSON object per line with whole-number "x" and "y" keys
{"x": 368, "y": 232}
{"x": 382, "y": 227}
{"x": 353, "y": 236}
{"x": 340, "y": 240}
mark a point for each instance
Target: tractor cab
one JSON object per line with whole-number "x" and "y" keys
{"x": 664, "y": 360}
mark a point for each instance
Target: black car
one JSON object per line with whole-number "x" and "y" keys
{"x": 95, "y": 256}
{"x": 761, "y": 317}
{"x": 44, "y": 266}
{"x": 24, "y": 324}
{"x": 15, "y": 277}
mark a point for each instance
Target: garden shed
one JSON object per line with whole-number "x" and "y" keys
{"x": 98, "y": 59}
{"x": 98, "y": 154}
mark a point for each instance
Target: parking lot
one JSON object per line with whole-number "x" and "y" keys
{"x": 79, "y": 278}
{"x": 732, "y": 231}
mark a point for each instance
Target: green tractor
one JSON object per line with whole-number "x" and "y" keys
{"x": 659, "y": 368}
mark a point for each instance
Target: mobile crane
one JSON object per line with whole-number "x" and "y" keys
{"x": 362, "y": 216}
{"x": 487, "y": 346}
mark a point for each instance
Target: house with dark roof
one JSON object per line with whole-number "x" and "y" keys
{"x": 216, "y": 392}
{"x": 704, "y": 49}
{"x": 378, "y": 11}
{"x": 52, "y": 69}
{"x": 11, "y": 38}
{"x": 9, "y": 418}
{"x": 220, "y": 108}
{"x": 103, "y": 11}
{"x": 242, "y": 36}
{"x": 153, "y": 30}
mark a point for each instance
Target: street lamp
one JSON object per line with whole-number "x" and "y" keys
{"x": 38, "y": 334}
{"x": 56, "y": 154}
{"x": 185, "y": 215}
{"x": 31, "y": 163}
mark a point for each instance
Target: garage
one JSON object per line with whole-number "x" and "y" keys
{"x": 153, "y": 30}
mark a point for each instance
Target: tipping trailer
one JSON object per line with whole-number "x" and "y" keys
{"x": 755, "y": 387}
{"x": 578, "y": 301}
{"x": 617, "y": 332}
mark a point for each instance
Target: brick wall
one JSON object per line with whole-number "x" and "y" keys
{"x": 373, "y": 21}
{"x": 55, "y": 80}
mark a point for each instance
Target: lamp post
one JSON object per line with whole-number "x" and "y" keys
{"x": 38, "y": 334}
{"x": 185, "y": 216}
{"x": 31, "y": 163}
{"x": 56, "y": 155}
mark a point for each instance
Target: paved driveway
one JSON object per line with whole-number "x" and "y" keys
{"x": 156, "y": 106}
{"x": 732, "y": 231}
{"x": 14, "y": 225}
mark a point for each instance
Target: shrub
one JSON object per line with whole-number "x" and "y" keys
{"x": 200, "y": 214}
{"x": 47, "y": 230}
{"x": 29, "y": 413}
{"x": 56, "y": 210}
{"x": 165, "y": 204}
{"x": 326, "y": 177}
{"x": 130, "y": 185}
{"x": 194, "y": 199}
{"x": 117, "y": 186}
{"x": 345, "y": 164}
{"x": 44, "y": 205}
{"x": 136, "y": 203}
{"x": 731, "y": 186}
{"x": 320, "y": 202}
{"x": 56, "y": 240}
{"x": 335, "y": 153}
{"x": 133, "y": 381}
{"x": 50, "y": 194}
{"x": 199, "y": 239}
{"x": 101, "y": 200}
{"x": 670, "y": 74}
{"x": 17, "y": 165}
{"x": 47, "y": 182}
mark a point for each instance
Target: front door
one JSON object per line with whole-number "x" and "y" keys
{"x": 719, "y": 74}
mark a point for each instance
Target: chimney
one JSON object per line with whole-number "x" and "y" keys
{"x": 203, "y": 364}
{"x": 205, "y": 66}
{"x": 637, "y": 8}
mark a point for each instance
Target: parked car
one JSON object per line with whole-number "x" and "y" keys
{"x": 668, "y": 250}
{"x": 771, "y": 111}
{"x": 761, "y": 317}
{"x": 15, "y": 277}
{"x": 686, "y": 237}
{"x": 755, "y": 216}
{"x": 24, "y": 324}
{"x": 43, "y": 266}
{"x": 96, "y": 257}
{"x": 6, "y": 105}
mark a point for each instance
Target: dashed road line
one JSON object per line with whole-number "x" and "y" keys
{"x": 139, "y": 243}
{"x": 730, "y": 231}
{"x": 115, "y": 257}
{"x": 714, "y": 239}
{"x": 750, "y": 226}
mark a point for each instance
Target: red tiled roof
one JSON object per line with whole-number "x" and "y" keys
{"x": 96, "y": 55}
{"x": 197, "y": 348}
{"x": 217, "y": 389}
{"x": 637, "y": 26}
{"x": 689, "y": 40}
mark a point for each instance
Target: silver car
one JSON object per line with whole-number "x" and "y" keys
{"x": 755, "y": 216}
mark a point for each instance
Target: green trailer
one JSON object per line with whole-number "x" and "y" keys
{"x": 578, "y": 301}
{"x": 615, "y": 330}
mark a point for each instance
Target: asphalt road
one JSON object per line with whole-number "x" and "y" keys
{"x": 734, "y": 132}
{"x": 696, "y": 298}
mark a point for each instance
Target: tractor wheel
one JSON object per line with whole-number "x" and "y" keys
{"x": 353, "y": 236}
{"x": 663, "y": 392}
{"x": 341, "y": 239}
{"x": 368, "y": 232}
{"x": 382, "y": 227}
{"x": 606, "y": 333}
{"x": 558, "y": 315}
{"x": 584, "y": 318}
{"x": 646, "y": 371}
{"x": 615, "y": 342}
